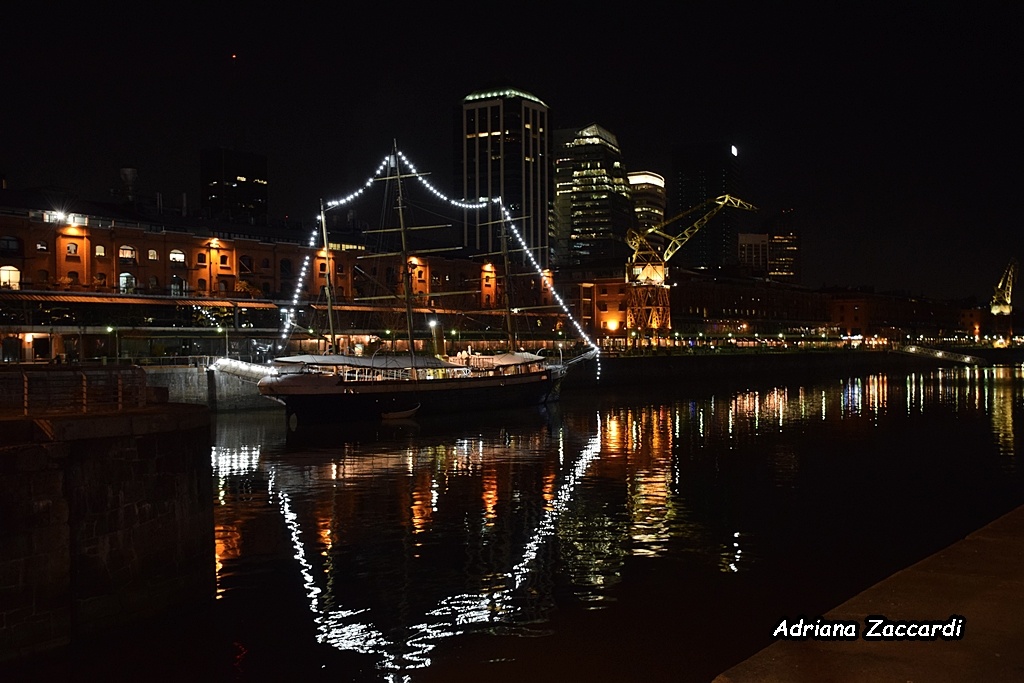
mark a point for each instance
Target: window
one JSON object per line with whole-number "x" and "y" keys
{"x": 72, "y": 248}
{"x": 201, "y": 285}
{"x": 10, "y": 245}
{"x": 42, "y": 276}
{"x": 100, "y": 250}
{"x": 201, "y": 258}
{"x": 126, "y": 254}
{"x": 153, "y": 255}
{"x": 286, "y": 268}
{"x": 10, "y": 278}
{"x": 154, "y": 284}
{"x": 127, "y": 283}
{"x": 224, "y": 259}
{"x": 265, "y": 263}
{"x": 101, "y": 279}
{"x": 245, "y": 264}
{"x": 176, "y": 256}
{"x": 42, "y": 246}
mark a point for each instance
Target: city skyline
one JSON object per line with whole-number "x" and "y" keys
{"x": 890, "y": 133}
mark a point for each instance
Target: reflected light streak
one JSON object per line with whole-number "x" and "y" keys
{"x": 353, "y": 630}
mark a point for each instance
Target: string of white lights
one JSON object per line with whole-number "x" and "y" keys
{"x": 205, "y": 312}
{"x": 461, "y": 204}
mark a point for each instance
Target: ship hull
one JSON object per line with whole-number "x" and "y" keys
{"x": 312, "y": 399}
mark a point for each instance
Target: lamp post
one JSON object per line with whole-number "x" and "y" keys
{"x": 117, "y": 350}
{"x": 225, "y": 331}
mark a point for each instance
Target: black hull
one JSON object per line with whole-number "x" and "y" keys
{"x": 435, "y": 397}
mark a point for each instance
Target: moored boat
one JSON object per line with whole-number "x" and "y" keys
{"x": 324, "y": 388}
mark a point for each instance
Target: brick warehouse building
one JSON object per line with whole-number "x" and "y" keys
{"x": 85, "y": 280}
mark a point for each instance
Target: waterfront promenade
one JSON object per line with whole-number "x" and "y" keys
{"x": 980, "y": 578}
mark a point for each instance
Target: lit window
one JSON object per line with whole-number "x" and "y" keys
{"x": 10, "y": 278}
{"x": 153, "y": 255}
{"x": 100, "y": 250}
{"x": 176, "y": 256}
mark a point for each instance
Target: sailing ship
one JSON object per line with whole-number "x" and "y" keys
{"x": 317, "y": 389}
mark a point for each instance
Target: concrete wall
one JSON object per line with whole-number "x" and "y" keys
{"x": 105, "y": 520}
{"x": 203, "y": 386}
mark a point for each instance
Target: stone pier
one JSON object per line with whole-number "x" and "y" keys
{"x": 106, "y": 519}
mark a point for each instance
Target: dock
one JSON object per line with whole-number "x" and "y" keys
{"x": 980, "y": 578}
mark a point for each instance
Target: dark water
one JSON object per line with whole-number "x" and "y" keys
{"x": 615, "y": 536}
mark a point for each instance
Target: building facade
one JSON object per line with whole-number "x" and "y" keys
{"x": 702, "y": 172}
{"x": 69, "y": 278}
{"x": 649, "y": 198}
{"x": 772, "y": 255}
{"x": 753, "y": 253}
{"x": 235, "y": 186}
{"x": 593, "y": 207}
{"x": 503, "y": 150}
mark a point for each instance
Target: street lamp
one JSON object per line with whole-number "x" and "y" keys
{"x": 117, "y": 344}
{"x": 225, "y": 331}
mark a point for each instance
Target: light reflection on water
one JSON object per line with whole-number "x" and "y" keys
{"x": 409, "y": 537}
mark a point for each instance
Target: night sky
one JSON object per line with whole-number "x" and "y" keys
{"x": 893, "y": 134}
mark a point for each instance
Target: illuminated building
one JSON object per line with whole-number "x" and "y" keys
{"x": 234, "y": 186}
{"x": 783, "y": 257}
{"x": 649, "y": 198}
{"x": 503, "y": 151}
{"x": 592, "y": 208}
{"x": 72, "y": 273}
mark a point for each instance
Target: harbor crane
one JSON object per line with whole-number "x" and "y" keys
{"x": 647, "y": 299}
{"x": 1002, "y": 300}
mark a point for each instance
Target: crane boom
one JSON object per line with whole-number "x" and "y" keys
{"x": 646, "y": 265}
{"x": 1002, "y": 300}
{"x": 647, "y": 301}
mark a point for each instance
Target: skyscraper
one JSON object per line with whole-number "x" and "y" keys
{"x": 784, "y": 247}
{"x": 592, "y": 208}
{"x": 234, "y": 186}
{"x": 703, "y": 171}
{"x": 649, "y": 201}
{"x": 503, "y": 150}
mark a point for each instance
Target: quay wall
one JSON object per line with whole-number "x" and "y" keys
{"x": 105, "y": 520}
{"x": 640, "y": 371}
{"x": 201, "y": 385}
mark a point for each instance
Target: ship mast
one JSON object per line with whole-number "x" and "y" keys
{"x": 406, "y": 269}
{"x": 507, "y": 289}
{"x": 330, "y": 276}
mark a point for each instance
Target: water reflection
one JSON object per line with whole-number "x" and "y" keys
{"x": 405, "y": 538}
